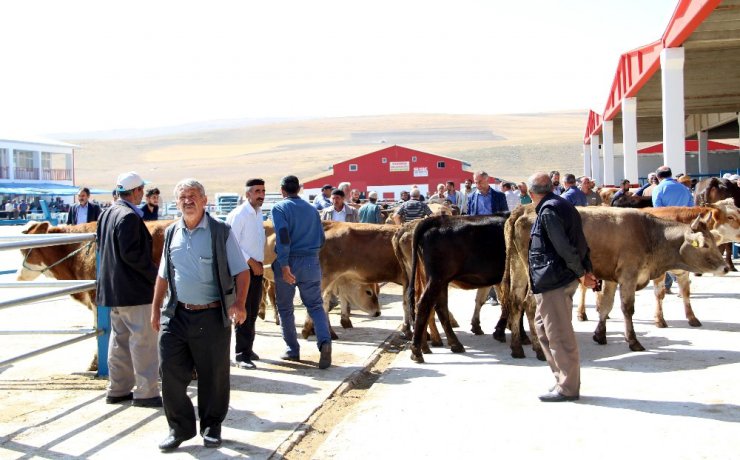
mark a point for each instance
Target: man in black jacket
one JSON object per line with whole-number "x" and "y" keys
{"x": 558, "y": 259}
{"x": 126, "y": 284}
{"x": 84, "y": 211}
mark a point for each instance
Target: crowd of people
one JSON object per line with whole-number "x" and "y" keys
{"x": 174, "y": 320}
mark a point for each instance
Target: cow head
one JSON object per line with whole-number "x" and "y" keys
{"x": 33, "y": 264}
{"x": 699, "y": 250}
{"x": 726, "y": 221}
{"x": 361, "y": 295}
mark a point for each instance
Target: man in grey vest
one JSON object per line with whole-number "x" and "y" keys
{"x": 201, "y": 288}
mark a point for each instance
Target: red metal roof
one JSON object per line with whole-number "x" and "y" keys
{"x": 692, "y": 147}
{"x": 638, "y": 66}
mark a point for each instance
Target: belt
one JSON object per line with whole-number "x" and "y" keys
{"x": 194, "y": 307}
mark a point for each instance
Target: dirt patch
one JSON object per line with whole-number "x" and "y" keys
{"x": 317, "y": 428}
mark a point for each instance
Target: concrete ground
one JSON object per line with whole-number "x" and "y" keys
{"x": 676, "y": 400}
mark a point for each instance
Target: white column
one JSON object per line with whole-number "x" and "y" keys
{"x": 586, "y": 160}
{"x": 595, "y": 161}
{"x": 37, "y": 165}
{"x": 674, "y": 137}
{"x": 703, "y": 137}
{"x": 629, "y": 138}
{"x": 11, "y": 163}
{"x": 607, "y": 130}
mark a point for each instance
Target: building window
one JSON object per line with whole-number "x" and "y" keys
{"x": 353, "y": 167}
{"x": 413, "y": 159}
{"x": 384, "y": 160}
{"x": 440, "y": 164}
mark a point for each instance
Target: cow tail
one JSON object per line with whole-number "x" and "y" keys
{"x": 411, "y": 290}
{"x": 505, "y": 287}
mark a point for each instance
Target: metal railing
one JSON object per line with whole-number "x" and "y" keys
{"x": 61, "y": 288}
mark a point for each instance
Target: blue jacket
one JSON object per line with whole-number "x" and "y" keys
{"x": 298, "y": 229}
{"x": 498, "y": 202}
{"x": 575, "y": 196}
{"x": 671, "y": 193}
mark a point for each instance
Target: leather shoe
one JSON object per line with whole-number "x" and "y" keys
{"x": 172, "y": 441}
{"x": 246, "y": 364}
{"x": 325, "y": 359}
{"x": 288, "y": 357}
{"x": 253, "y": 356}
{"x": 211, "y": 438}
{"x": 148, "y": 402}
{"x": 555, "y": 396}
{"x": 118, "y": 399}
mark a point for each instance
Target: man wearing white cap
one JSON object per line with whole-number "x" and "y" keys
{"x": 126, "y": 285}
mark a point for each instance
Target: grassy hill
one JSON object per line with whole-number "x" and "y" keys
{"x": 510, "y": 146}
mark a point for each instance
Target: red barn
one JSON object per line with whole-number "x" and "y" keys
{"x": 391, "y": 170}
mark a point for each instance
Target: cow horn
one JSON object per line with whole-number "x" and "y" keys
{"x": 698, "y": 224}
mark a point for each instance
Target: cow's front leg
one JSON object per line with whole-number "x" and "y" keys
{"x": 684, "y": 286}
{"x": 345, "y": 310}
{"x": 627, "y": 294}
{"x": 444, "y": 317}
{"x": 582, "y": 303}
{"x": 604, "y": 305}
{"x": 435, "y": 339}
{"x": 659, "y": 291}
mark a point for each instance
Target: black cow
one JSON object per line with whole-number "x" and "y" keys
{"x": 712, "y": 190}
{"x": 469, "y": 251}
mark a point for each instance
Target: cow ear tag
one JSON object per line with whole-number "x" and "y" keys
{"x": 695, "y": 243}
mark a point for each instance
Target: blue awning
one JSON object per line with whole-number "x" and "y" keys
{"x": 40, "y": 188}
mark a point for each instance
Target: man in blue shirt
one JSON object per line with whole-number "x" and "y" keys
{"x": 485, "y": 201}
{"x": 572, "y": 193}
{"x": 669, "y": 192}
{"x": 323, "y": 199}
{"x": 299, "y": 236}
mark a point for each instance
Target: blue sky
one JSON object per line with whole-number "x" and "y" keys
{"x": 76, "y": 66}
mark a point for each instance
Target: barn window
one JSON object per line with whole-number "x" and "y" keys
{"x": 440, "y": 164}
{"x": 384, "y": 160}
{"x": 353, "y": 167}
{"x": 413, "y": 159}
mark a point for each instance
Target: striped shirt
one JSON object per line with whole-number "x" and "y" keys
{"x": 413, "y": 210}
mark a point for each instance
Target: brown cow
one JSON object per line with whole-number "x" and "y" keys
{"x": 712, "y": 190}
{"x": 645, "y": 248}
{"x": 724, "y": 223}
{"x": 81, "y": 265}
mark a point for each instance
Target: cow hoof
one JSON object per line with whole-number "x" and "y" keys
{"x": 307, "y": 332}
{"x": 636, "y": 346}
{"x": 540, "y": 355}
{"x": 517, "y": 353}
{"x": 694, "y": 322}
{"x": 660, "y": 323}
{"x": 346, "y": 323}
{"x": 261, "y": 315}
{"x": 476, "y": 330}
{"x": 93, "y": 367}
{"x": 582, "y": 317}
{"x": 454, "y": 323}
{"x": 417, "y": 357}
{"x": 525, "y": 340}
{"x": 334, "y": 335}
{"x": 457, "y": 348}
{"x": 437, "y": 343}
{"x": 426, "y": 350}
{"x": 600, "y": 339}
{"x": 406, "y": 334}
{"x": 499, "y": 335}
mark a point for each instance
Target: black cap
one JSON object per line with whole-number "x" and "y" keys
{"x": 326, "y": 187}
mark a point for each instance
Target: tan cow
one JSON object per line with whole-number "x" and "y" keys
{"x": 645, "y": 248}
{"x": 50, "y": 260}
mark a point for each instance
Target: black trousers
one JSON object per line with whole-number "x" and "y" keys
{"x": 245, "y": 331}
{"x": 195, "y": 340}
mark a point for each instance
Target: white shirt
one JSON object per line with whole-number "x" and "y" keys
{"x": 339, "y": 216}
{"x": 512, "y": 199}
{"x": 246, "y": 225}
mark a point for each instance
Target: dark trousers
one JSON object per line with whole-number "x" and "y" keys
{"x": 195, "y": 340}
{"x": 245, "y": 332}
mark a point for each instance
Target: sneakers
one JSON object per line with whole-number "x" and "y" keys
{"x": 118, "y": 399}
{"x": 325, "y": 359}
{"x": 245, "y": 364}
